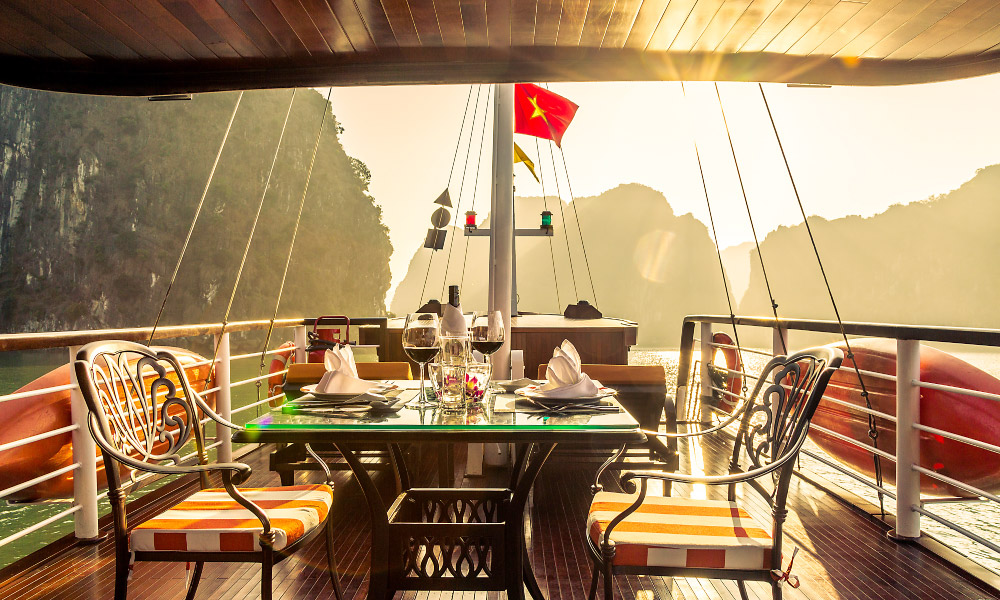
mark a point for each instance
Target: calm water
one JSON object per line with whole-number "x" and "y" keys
{"x": 18, "y": 368}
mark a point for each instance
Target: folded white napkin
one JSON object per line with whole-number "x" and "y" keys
{"x": 341, "y": 375}
{"x": 453, "y": 321}
{"x": 564, "y": 375}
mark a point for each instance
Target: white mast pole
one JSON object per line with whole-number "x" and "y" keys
{"x": 502, "y": 217}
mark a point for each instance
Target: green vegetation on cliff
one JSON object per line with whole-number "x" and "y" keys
{"x": 97, "y": 194}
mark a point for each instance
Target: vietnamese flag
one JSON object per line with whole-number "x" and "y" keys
{"x": 541, "y": 113}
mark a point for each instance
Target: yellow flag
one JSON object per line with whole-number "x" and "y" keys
{"x": 521, "y": 157}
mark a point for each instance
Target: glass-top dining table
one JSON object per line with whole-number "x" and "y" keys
{"x": 456, "y": 539}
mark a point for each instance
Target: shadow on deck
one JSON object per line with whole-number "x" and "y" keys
{"x": 843, "y": 554}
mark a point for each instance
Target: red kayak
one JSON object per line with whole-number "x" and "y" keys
{"x": 964, "y": 415}
{"x": 39, "y": 414}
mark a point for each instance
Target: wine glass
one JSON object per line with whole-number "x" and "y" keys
{"x": 487, "y": 334}
{"x": 421, "y": 344}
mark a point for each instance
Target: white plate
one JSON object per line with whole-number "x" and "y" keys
{"x": 511, "y": 386}
{"x": 378, "y": 389}
{"x": 533, "y": 392}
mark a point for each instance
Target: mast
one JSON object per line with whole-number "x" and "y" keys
{"x": 502, "y": 216}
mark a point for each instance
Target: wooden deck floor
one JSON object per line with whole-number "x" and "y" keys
{"x": 843, "y": 554}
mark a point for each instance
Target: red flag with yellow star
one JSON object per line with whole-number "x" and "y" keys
{"x": 541, "y": 113}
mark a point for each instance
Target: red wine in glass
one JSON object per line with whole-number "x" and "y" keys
{"x": 423, "y": 354}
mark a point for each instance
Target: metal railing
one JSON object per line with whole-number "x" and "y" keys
{"x": 84, "y": 504}
{"x": 695, "y": 388}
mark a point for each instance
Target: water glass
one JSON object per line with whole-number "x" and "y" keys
{"x": 477, "y": 381}
{"x": 450, "y": 384}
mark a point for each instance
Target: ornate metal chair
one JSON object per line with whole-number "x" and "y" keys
{"x": 142, "y": 413}
{"x": 718, "y": 539}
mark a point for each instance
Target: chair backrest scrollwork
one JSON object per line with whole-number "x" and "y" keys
{"x": 143, "y": 410}
{"x": 776, "y": 422}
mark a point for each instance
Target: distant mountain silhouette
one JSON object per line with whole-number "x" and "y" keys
{"x": 737, "y": 262}
{"x": 648, "y": 264}
{"x": 931, "y": 262}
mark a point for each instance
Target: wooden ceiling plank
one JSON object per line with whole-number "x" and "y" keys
{"x": 622, "y": 18}
{"x": 6, "y": 48}
{"x": 34, "y": 41}
{"x": 40, "y": 14}
{"x": 596, "y": 23}
{"x": 862, "y": 20}
{"x": 354, "y": 25}
{"x": 474, "y": 18}
{"x": 955, "y": 41}
{"x": 377, "y": 22}
{"x": 228, "y": 29}
{"x": 402, "y": 22}
{"x": 303, "y": 25}
{"x": 498, "y": 23}
{"x": 449, "y": 14}
{"x": 645, "y": 23}
{"x": 749, "y": 21}
{"x": 898, "y": 15}
{"x": 114, "y": 25}
{"x": 825, "y": 27}
{"x": 79, "y": 21}
{"x": 671, "y": 21}
{"x": 913, "y": 28}
{"x": 947, "y": 25}
{"x": 981, "y": 44}
{"x": 570, "y": 22}
{"x": 426, "y": 21}
{"x": 522, "y": 22}
{"x": 722, "y": 23}
{"x": 244, "y": 18}
{"x": 280, "y": 29}
{"x": 178, "y": 31}
{"x": 697, "y": 22}
{"x": 156, "y": 32}
{"x": 328, "y": 25}
{"x": 773, "y": 25}
{"x": 548, "y": 15}
{"x": 808, "y": 17}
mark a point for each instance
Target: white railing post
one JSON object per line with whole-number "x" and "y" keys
{"x": 85, "y": 454}
{"x": 299, "y": 338}
{"x": 907, "y": 440}
{"x": 223, "y": 397}
{"x": 707, "y": 353}
{"x": 779, "y": 341}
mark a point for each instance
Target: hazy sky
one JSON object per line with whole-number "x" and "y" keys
{"x": 852, "y": 150}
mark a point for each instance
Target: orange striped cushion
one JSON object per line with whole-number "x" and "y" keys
{"x": 681, "y": 532}
{"x": 211, "y": 521}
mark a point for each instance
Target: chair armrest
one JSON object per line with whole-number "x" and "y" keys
{"x": 322, "y": 464}
{"x": 736, "y": 414}
{"x": 219, "y": 419}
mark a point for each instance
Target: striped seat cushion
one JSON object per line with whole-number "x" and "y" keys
{"x": 211, "y": 521}
{"x": 681, "y": 532}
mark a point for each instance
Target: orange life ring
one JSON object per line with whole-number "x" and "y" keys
{"x": 734, "y": 382}
{"x": 283, "y": 357}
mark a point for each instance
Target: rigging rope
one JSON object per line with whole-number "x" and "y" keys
{"x": 295, "y": 233}
{"x": 197, "y": 213}
{"x": 579, "y": 230}
{"x": 454, "y": 158}
{"x": 545, "y": 205}
{"x": 562, "y": 217}
{"x": 253, "y": 229}
{"x": 732, "y": 148}
{"x": 461, "y": 190}
{"x": 872, "y": 426}
{"x": 718, "y": 251}
{"x": 475, "y": 186}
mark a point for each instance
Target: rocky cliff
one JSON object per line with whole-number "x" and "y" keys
{"x": 97, "y": 195}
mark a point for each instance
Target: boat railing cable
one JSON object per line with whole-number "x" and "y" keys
{"x": 454, "y": 158}
{"x": 253, "y": 230}
{"x": 295, "y": 232}
{"x": 458, "y": 205}
{"x": 562, "y": 216}
{"x": 718, "y": 251}
{"x": 872, "y": 425}
{"x": 579, "y": 228}
{"x": 545, "y": 205}
{"x": 753, "y": 229}
{"x": 194, "y": 221}
{"x": 475, "y": 185}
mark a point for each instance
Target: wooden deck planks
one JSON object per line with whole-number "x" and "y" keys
{"x": 844, "y": 554}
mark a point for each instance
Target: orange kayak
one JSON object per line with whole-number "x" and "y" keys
{"x": 36, "y": 415}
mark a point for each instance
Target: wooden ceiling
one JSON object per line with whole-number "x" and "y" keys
{"x": 146, "y": 47}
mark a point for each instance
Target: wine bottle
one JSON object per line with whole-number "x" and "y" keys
{"x": 453, "y": 296}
